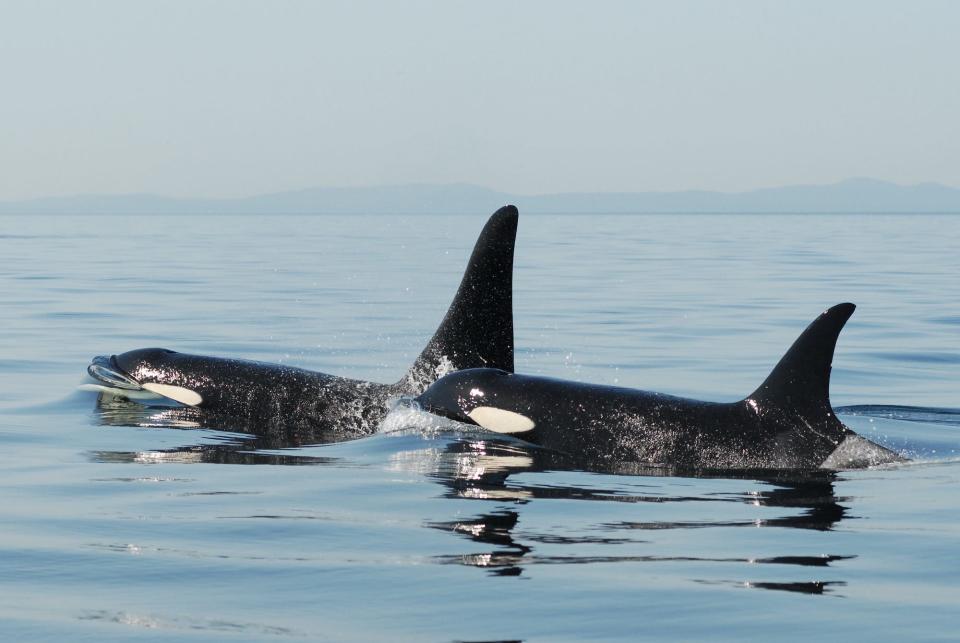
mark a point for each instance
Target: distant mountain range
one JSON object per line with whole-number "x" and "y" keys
{"x": 851, "y": 196}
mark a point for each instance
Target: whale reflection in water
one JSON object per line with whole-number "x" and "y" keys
{"x": 629, "y": 519}
{"x": 481, "y": 470}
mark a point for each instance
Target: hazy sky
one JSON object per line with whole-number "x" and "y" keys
{"x": 231, "y": 98}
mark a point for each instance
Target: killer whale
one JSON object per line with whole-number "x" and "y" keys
{"x": 786, "y": 423}
{"x": 477, "y": 331}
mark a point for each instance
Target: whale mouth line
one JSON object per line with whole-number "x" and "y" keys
{"x": 444, "y": 412}
{"x": 106, "y": 370}
{"x": 112, "y": 380}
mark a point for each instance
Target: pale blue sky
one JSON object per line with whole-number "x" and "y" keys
{"x": 231, "y": 98}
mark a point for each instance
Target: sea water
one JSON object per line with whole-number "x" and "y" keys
{"x": 114, "y": 529}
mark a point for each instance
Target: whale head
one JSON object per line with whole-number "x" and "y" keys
{"x": 152, "y": 370}
{"x": 473, "y": 396}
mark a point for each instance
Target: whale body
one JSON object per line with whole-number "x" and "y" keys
{"x": 787, "y": 423}
{"x": 477, "y": 331}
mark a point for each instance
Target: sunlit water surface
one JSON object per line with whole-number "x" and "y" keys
{"x": 176, "y": 531}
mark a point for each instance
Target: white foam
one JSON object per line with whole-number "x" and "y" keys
{"x": 856, "y": 452}
{"x": 407, "y": 416}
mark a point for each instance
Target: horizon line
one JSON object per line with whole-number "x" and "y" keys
{"x": 465, "y": 184}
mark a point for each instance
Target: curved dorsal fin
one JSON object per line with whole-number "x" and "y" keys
{"x": 801, "y": 379}
{"x": 477, "y": 330}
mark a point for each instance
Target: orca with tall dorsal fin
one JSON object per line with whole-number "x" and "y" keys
{"x": 787, "y": 423}
{"x": 477, "y": 331}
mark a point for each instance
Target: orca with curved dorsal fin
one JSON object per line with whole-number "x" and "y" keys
{"x": 477, "y": 331}
{"x": 787, "y": 423}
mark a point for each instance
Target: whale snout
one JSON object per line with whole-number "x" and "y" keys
{"x": 440, "y": 402}
{"x": 128, "y": 370}
{"x": 445, "y": 398}
{"x": 470, "y": 396}
{"x": 144, "y": 372}
{"x": 106, "y": 369}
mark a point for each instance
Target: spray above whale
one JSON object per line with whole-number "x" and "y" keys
{"x": 477, "y": 331}
{"x": 787, "y": 423}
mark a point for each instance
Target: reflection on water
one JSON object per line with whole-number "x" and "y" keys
{"x": 812, "y": 587}
{"x": 511, "y": 474}
{"x": 481, "y": 471}
{"x": 226, "y": 453}
{"x": 153, "y": 622}
{"x": 246, "y": 445}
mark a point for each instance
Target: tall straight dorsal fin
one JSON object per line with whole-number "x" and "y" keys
{"x": 477, "y": 330}
{"x": 801, "y": 379}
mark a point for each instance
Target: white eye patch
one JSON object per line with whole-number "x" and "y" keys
{"x": 500, "y": 420}
{"x": 175, "y": 393}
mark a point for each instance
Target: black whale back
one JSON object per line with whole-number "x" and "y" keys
{"x": 477, "y": 330}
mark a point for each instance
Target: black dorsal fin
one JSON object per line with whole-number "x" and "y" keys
{"x": 477, "y": 330}
{"x": 801, "y": 379}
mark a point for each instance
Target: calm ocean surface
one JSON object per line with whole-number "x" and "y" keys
{"x": 112, "y": 531}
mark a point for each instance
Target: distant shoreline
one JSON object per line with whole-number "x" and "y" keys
{"x": 854, "y": 196}
{"x": 478, "y": 212}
